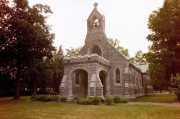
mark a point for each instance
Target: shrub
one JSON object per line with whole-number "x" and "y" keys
{"x": 63, "y": 99}
{"x": 109, "y": 101}
{"x": 178, "y": 94}
{"x": 96, "y": 100}
{"x": 33, "y": 97}
{"x": 89, "y": 101}
{"x": 77, "y": 101}
{"x": 91, "y": 98}
{"x": 44, "y": 98}
{"x": 53, "y": 97}
{"x": 39, "y": 98}
{"x": 123, "y": 100}
{"x": 84, "y": 101}
{"x": 116, "y": 99}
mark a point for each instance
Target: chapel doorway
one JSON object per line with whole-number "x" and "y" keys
{"x": 80, "y": 83}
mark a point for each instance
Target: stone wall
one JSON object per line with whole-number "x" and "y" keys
{"x": 117, "y": 60}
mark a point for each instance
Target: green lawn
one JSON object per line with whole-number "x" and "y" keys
{"x": 162, "y": 98}
{"x": 27, "y": 109}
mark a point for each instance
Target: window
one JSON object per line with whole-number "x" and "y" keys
{"x": 140, "y": 82}
{"x": 96, "y": 23}
{"x": 117, "y": 76}
{"x": 96, "y": 50}
{"x": 77, "y": 78}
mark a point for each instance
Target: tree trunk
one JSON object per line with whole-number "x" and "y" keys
{"x": 17, "y": 82}
{"x": 34, "y": 86}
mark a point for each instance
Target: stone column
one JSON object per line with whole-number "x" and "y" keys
{"x": 96, "y": 87}
{"x": 64, "y": 86}
{"x": 89, "y": 80}
{"x": 92, "y": 86}
{"x": 70, "y": 91}
{"x": 99, "y": 87}
{"x": 108, "y": 85}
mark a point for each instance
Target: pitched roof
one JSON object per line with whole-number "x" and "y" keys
{"x": 95, "y": 12}
{"x": 143, "y": 67}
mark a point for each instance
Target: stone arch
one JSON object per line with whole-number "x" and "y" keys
{"x": 77, "y": 68}
{"x": 95, "y": 49}
{"x": 96, "y": 23}
{"x": 79, "y": 83}
{"x": 103, "y": 75}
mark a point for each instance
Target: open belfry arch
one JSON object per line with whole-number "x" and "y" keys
{"x": 99, "y": 69}
{"x": 95, "y": 22}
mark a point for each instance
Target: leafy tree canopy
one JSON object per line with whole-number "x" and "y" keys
{"x": 24, "y": 35}
{"x": 72, "y": 52}
{"x": 116, "y": 44}
{"x": 139, "y": 58}
{"x": 164, "y": 53}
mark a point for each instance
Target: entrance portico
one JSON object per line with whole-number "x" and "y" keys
{"x": 85, "y": 76}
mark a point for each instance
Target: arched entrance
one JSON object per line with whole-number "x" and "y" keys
{"x": 103, "y": 77}
{"x": 80, "y": 83}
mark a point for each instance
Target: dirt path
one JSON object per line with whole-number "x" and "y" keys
{"x": 155, "y": 103}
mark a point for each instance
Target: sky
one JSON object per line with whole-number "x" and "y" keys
{"x": 125, "y": 20}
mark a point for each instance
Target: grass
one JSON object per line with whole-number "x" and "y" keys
{"x": 27, "y": 109}
{"x": 161, "y": 98}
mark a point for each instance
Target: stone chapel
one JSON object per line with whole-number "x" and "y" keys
{"x": 100, "y": 70}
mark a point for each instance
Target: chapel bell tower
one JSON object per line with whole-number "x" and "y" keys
{"x": 95, "y": 22}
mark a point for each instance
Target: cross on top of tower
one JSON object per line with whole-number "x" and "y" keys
{"x": 95, "y": 5}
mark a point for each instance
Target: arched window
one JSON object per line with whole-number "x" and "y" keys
{"x": 77, "y": 78}
{"x": 117, "y": 76}
{"x": 96, "y": 50}
{"x": 96, "y": 23}
{"x": 140, "y": 82}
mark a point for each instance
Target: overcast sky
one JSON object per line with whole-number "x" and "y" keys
{"x": 126, "y": 20}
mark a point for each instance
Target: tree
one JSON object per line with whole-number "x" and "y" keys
{"x": 116, "y": 44}
{"x": 25, "y": 37}
{"x": 139, "y": 58}
{"x": 72, "y": 52}
{"x": 176, "y": 81}
{"x": 47, "y": 74}
{"x": 158, "y": 78}
{"x": 58, "y": 69}
{"x": 165, "y": 29}
{"x": 44, "y": 76}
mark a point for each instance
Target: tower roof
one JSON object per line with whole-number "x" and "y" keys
{"x": 95, "y": 12}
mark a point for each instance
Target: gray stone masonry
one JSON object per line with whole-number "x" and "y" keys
{"x": 101, "y": 70}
